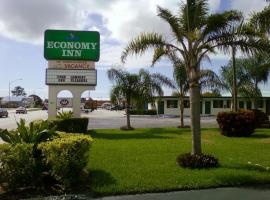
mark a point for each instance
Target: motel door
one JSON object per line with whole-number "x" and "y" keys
{"x": 161, "y": 107}
{"x": 207, "y": 107}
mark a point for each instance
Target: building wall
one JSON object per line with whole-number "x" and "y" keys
{"x": 221, "y": 104}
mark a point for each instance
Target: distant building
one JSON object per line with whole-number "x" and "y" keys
{"x": 16, "y": 101}
{"x": 169, "y": 105}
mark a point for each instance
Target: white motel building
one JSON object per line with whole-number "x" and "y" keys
{"x": 169, "y": 105}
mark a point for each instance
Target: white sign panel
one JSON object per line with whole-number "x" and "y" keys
{"x": 71, "y": 77}
{"x": 70, "y": 64}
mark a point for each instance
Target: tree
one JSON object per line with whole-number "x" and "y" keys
{"x": 256, "y": 70}
{"x": 38, "y": 101}
{"x": 181, "y": 84}
{"x": 258, "y": 24}
{"x": 196, "y": 33}
{"x": 136, "y": 86}
{"x": 18, "y": 91}
{"x": 151, "y": 86}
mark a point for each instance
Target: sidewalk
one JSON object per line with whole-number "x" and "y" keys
{"x": 251, "y": 193}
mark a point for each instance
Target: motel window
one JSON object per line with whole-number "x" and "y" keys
{"x": 249, "y": 105}
{"x": 227, "y": 104}
{"x": 218, "y": 104}
{"x": 186, "y": 104}
{"x": 172, "y": 103}
{"x": 241, "y": 104}
{"x": 260, "y": 103}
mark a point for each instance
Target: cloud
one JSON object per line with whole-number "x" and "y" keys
{"x": 248, "y": 6}
{"x": 26, "y": 20}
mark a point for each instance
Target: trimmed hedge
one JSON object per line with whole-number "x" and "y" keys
{"x": 66, "y": 157}
{"x": 237, "y": 124}
{"x": 59, "y": 161}
{"x": 202, "y": 161}
{"x": 143, "y": 112}
{"x": 70, "y": 125}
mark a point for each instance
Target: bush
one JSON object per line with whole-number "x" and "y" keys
{"x": 260, "y": 118}
{"x": 143, "y": 112}
{"x": 17, "y": 168}
{"x": 202, "y": 161}
{"x": 236, "y": 124}
{"x": 70, "y": 125}
{"x": 66, "y": 157}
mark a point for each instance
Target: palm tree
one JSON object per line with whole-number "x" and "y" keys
{"x": 208, "y": 80}
{"x": 143, "y": 86}
{"x": 151, "y": 85}
{"x": 257, "y": 24}
{"x": 196, "y": 33}
{"x": 257, "y": 69}
{"x": 126, "y": 84}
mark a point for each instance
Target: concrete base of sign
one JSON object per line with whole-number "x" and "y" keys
{"x": 76, "y": 91}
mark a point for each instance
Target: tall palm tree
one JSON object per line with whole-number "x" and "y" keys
{"x": 196, "y": 33}
{"x": 142, "y": 86}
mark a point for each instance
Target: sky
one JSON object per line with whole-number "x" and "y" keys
{"x": 22, "y": 26}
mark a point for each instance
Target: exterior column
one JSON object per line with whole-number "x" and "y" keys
{"x": 76, "y": 103}
{"x": 52, "y": 112}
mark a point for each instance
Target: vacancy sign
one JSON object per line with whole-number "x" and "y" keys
{"x": 71, "y": 77}
{"x": 71, "y": 45}
{"x": 71, "y": 64}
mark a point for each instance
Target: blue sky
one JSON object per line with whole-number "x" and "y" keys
{"x": 22, "y": 24}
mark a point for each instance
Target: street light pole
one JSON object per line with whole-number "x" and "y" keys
{"x": 9, "y": 83}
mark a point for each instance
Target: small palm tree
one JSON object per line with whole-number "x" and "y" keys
{"x": 64, "y": 115}
{"x": 125, "y": 84}
{"x": 34, "y": 133}
{"x": 196, "y": 33}
{"x": 139, "y": 87}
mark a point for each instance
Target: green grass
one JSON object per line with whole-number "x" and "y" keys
{"x": 144, "y": 160}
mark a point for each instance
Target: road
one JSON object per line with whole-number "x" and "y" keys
{"x": 107, "y": 119}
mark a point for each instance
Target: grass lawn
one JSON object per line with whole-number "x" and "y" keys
{"x": 144, "y": 160}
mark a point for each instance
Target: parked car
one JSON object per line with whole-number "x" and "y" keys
{"x": 117, "y": 107}
{"x": 21, "y": 110}
{"x": 3, "y": 112}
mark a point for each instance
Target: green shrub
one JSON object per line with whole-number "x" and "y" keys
{"x": 66, "y": 157}
{"x": 143, "y": 112}
{"x": 202, "y": 161}
{"x": 17, "y": 168}
{"x": 70, "y": 125}
{"x": 236, "y": 124}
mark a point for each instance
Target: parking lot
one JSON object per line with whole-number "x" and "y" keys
{"x": 108, "y": 119}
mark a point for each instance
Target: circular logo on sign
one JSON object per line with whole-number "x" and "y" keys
{"x": 64, "y": 102}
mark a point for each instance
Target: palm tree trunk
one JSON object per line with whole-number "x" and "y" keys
{"x": 235, "y": 107}
{"x": 181, "y": 106}
{"x": 128, "y": 113}
{"x": 256, "y": 96}
{"x": 194, "y": 90}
